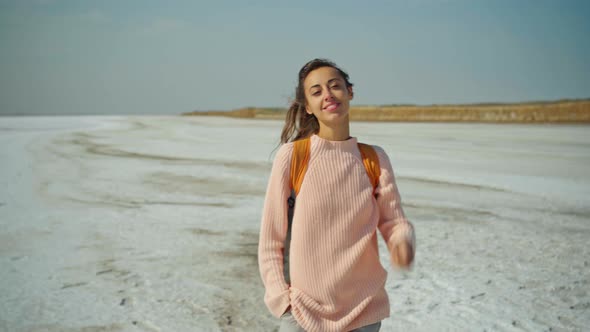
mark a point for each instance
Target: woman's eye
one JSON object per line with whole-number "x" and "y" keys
{"x": 335, "y": 86}
{"x": 317, "y": 93}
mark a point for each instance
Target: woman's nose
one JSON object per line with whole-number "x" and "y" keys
{"x": 329, "y": 95}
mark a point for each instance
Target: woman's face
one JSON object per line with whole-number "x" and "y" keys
{"x": 327, "y": 96}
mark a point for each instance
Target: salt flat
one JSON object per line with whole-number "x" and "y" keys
{"x": 151, "y": 224}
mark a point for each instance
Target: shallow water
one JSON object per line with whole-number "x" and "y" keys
{"x": 151, "y": 224}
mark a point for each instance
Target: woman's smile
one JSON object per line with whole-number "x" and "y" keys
{"x": 331, "y": 106}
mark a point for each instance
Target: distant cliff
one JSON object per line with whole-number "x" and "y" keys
{"x": 561, "y": 111}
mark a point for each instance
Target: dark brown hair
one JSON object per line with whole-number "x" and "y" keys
{"x": 298, "y": 123}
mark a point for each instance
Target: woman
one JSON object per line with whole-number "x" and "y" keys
{"x": 337, "y": 282}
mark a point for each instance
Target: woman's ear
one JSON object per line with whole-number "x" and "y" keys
{"x": 350, "y": 93}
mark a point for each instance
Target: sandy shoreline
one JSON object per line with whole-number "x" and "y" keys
{"x": 561, "y": 111}
{"x": 151, "y": 224}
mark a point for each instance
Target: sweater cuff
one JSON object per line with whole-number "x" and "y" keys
{"x": 278, "y": 304}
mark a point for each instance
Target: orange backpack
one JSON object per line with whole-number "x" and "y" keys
{"x": 299, "y": 162}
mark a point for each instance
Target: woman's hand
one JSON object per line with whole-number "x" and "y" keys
{"x": 288, "y": 310}
{"x": 402, "y": 255}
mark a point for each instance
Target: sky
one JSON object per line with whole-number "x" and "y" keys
{"x": 169, "y": 57}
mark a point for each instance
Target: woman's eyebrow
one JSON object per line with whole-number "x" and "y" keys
{"x": 329, "y": 81}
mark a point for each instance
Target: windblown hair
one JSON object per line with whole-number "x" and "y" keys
{"x": 298, "y": 123}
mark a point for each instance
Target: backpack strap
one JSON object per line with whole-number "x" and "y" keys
{"x": 371, "y": 162}
{"x": 299, "y": 161}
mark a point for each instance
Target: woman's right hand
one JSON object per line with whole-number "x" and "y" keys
{"x": 287, "y": 311}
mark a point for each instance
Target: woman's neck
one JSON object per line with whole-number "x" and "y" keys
{"x": 335, "y": 133}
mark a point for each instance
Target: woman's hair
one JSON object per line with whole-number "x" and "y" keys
{"x": 298, "y": 123}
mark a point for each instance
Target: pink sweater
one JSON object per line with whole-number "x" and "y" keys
{"x": 337, "y": 280}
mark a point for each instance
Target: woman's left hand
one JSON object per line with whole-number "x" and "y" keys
{"x": 402, "y": 255}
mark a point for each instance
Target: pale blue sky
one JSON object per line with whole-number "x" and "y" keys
{"x": 168, "y": 57}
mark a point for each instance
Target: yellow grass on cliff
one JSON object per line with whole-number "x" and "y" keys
{"x": 562, "y": 111}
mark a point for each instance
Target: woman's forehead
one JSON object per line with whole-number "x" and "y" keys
{"x": 321, "y": 76}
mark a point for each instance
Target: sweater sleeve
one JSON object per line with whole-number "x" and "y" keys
{"x": 273, "y": 232}
{"x": 393, "y": 224}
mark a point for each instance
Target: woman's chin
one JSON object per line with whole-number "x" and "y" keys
{"x": 334, "y": 117}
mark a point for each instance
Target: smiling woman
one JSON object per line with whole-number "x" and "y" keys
{"x": 321, "y": 266}
{"x": 302, "y": 117}
{"x": 328, "y": 96}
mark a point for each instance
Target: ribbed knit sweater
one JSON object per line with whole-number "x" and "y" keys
{"x": 337, "y": 280}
